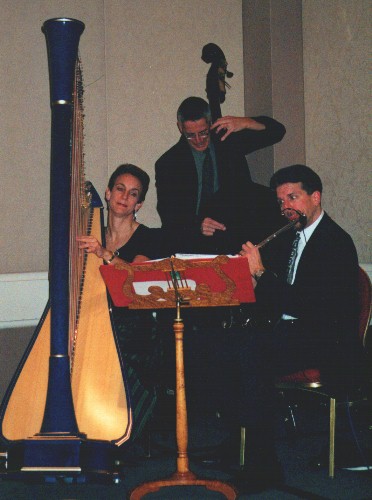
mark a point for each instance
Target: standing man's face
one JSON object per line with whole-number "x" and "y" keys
{"x": 196, "y": 132}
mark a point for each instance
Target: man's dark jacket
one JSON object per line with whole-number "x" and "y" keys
{"x": 324, "y": 294}
{"x": 323, "y": 298}
{"x": 177, "y": 183}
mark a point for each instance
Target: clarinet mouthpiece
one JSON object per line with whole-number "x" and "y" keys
{"x": 302, "y": 220}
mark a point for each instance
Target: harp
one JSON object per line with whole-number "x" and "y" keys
{"x": 67, "y": 407}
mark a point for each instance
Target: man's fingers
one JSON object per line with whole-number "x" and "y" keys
{"x": 209, "y": 223}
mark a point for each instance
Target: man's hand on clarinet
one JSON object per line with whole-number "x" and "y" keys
{"x": 252, "y": 253}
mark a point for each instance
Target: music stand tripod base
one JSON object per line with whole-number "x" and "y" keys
{"x": 186, "y": 479}
{"x": 183, "y": 476}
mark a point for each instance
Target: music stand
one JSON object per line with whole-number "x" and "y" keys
{"x": 216, "y": 272}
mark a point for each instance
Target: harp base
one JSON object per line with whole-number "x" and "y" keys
{"x": 66, "y": 476}
{"x": 72, "y": 459}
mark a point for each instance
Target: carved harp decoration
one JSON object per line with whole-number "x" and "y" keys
{"x": 69, "y": 393}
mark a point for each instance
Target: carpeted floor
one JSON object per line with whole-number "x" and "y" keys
{"x": 304, "y": 479}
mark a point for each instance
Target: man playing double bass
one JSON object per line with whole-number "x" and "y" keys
{"x": 203, "y": 182}
{"x": 204, "y": 186}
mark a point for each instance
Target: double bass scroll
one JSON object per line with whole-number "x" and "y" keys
{"x": 216, "y": 78}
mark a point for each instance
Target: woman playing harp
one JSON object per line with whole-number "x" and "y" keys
{"x": 127, "y": 239}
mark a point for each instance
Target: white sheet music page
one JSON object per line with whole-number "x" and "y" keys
{"x": 186, "y": 256}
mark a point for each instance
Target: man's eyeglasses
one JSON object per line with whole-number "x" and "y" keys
{"x": 203, "y": 134}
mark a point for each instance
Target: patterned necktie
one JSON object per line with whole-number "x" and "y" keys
{"x": 292, "y": 259}
{"x": 207, "y": 180}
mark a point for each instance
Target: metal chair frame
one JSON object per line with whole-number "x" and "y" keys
{"x": 314, "y": 383}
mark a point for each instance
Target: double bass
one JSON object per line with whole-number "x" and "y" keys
{"x": 216, "y": 78}
{"x": 67, "y": 408}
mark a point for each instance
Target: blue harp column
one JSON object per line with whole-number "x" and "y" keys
{"x": 59, "y": 422}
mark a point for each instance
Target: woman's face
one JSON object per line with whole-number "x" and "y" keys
{"x": 124, "y": 195}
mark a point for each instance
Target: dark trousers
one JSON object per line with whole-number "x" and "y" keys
{"x": 233, "y": 370}
{"x": 250, "y": 360}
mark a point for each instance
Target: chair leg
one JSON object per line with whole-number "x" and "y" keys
{"x": 332, "y": 432}
{"x": 242, "y": 446}
{"x": 148, "y": 442}
{"x": 291, "y": 421}
{"x": 289, "y": 418}
{"x": 3, "y": 460}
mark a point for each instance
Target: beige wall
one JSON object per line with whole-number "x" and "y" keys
{"x": 25, "y": 124}
{"x": 306, "y": 62}
{"x": 337, "y": 42}
{"x": 140, "y": 59}
{"x": 153, "y": 61}
{"x": 273, "y": 79}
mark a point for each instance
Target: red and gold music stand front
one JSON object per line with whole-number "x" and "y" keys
{"x": 219, "y": 281}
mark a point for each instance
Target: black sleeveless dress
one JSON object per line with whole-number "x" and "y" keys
{"x": 140, "y": 345}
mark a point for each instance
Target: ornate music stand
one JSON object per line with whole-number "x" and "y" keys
{"x": 180, "y": 294}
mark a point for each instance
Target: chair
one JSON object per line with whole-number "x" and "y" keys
{"x": 310, "y": 380}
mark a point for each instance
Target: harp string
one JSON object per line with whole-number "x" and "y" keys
{"x": 79, "y": 211}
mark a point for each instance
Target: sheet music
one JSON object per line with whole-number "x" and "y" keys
{"x": 186, "y": 256}
{"x": 190, "y": 256}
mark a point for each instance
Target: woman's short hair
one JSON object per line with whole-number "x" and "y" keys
{"x": 309, "y": 179}
{"x": 137, "y": 172}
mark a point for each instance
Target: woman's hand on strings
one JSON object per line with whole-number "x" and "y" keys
{"x": 91, "y": 245}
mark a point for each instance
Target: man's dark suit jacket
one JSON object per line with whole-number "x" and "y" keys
{"x": 324, "y": 299}
{"x": 177, "y": 183}
{"x": 324, "y": 294}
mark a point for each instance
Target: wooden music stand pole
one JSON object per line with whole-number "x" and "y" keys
{"x": 217, "y": 284}
{"x": 183, "y": 476}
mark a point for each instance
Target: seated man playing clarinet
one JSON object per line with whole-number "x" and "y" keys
{"x": 308, "y": 291}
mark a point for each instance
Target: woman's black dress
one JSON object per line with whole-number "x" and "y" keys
{"x": 139, "y": 343}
